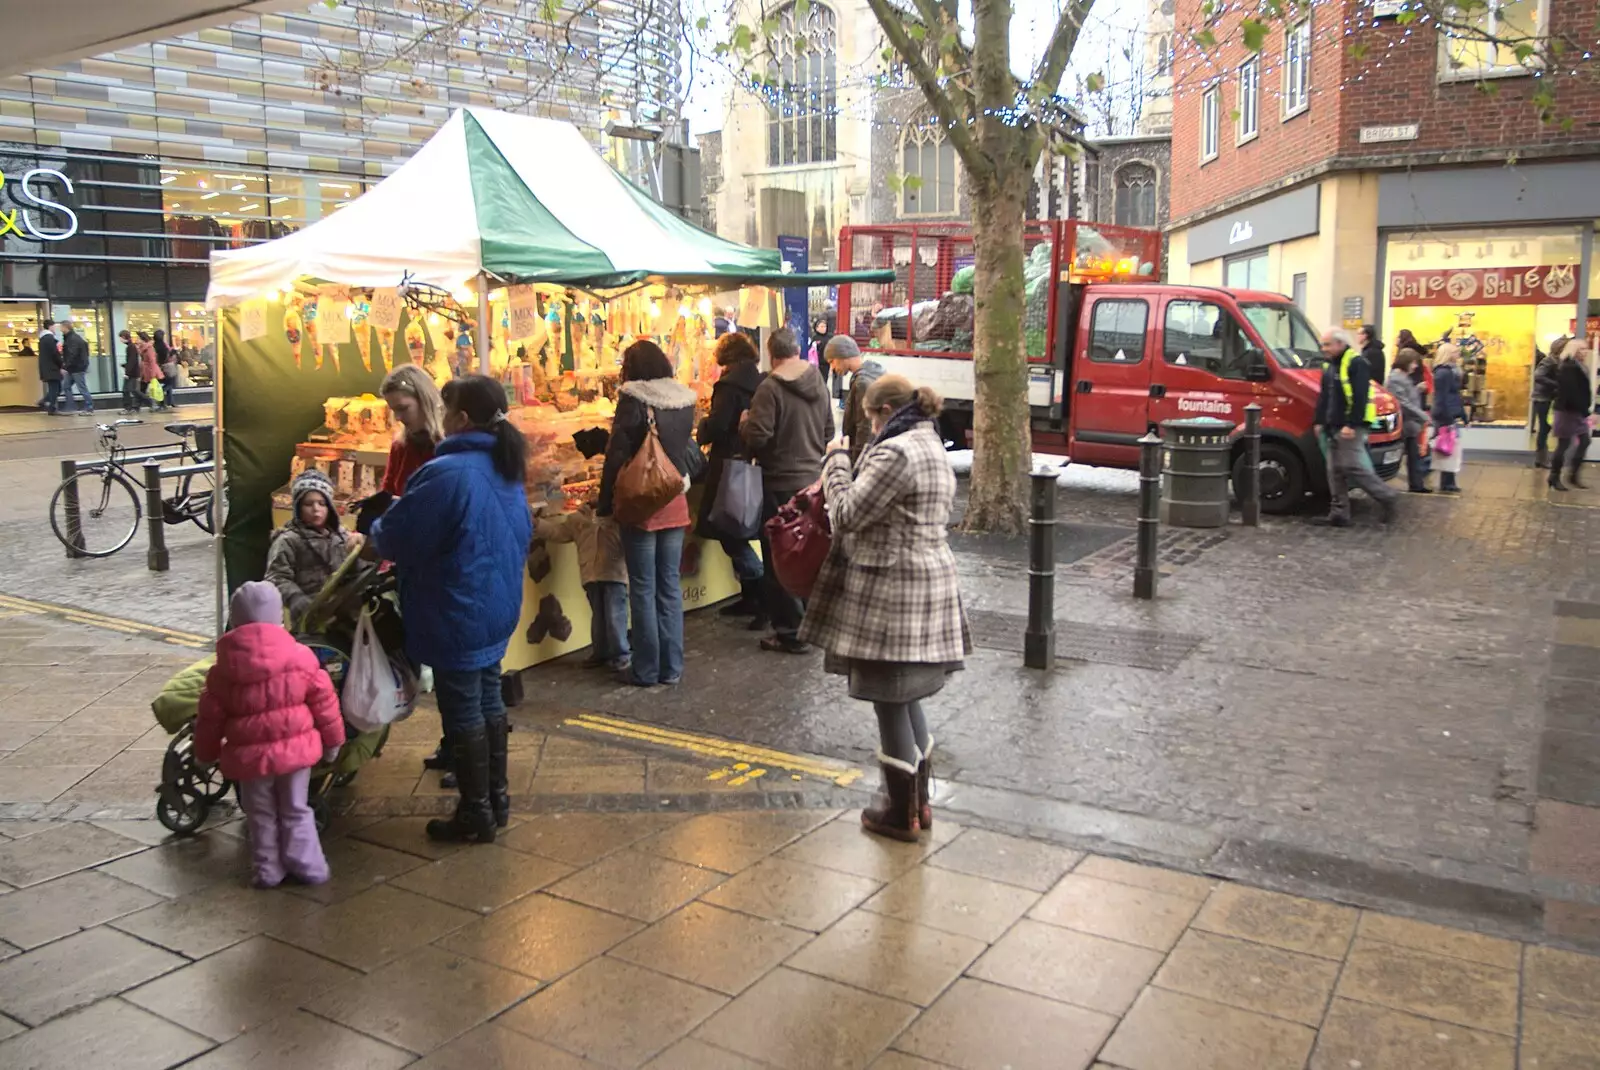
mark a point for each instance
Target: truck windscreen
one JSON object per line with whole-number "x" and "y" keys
{"x": 1286, "y": 331}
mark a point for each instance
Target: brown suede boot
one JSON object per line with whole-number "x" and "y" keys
{"x": 894, "y": 814}
{"x": 925, "y": 788}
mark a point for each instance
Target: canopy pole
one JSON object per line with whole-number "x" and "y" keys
{"x": 483, "y": 323}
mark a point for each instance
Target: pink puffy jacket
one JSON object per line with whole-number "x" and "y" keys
{"x": 268, "y": 707}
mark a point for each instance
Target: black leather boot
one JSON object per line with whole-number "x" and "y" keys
{"x": 925, "y": 788}
{"x": 499, "y": 789}
{"x": 440, "y": 758}
{"x": 894, "y": 814}
{"x": 474, "y": 819}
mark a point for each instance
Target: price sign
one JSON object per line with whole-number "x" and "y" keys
{"x": 384, "y": 312}
{"x": 252, "y": 320}
{"x": 524, "y": 312}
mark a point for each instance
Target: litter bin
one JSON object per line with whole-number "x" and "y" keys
{"x": 1195, "y": 466}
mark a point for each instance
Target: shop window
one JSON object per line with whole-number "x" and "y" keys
{"x": 1163, "y": 56}
{"x": 1136, "y": 195}
{"x": 19, "y": 328}
{"x": 22, "y": 278}
{"x": 1201, "y": 335}
{"x": 1117, "y": 332}
{"x": 802, "y": 109}
{"x": 89, "y": 320}
{"x": 1246, "y": 273}
{"x": 294, "y": 201}
{"x": 70, "y": 280}
{"x": 1484, "y": 39}
{"x": 1297, "y": 68}
{"x": 1299, "y": 292}
{"x": 212, "y": 208}
{"x": 1249, "y": 98}
{"x": 928, "y": 156}
{"x": 194, "y": 330}
{"x": 1210, "y": 118}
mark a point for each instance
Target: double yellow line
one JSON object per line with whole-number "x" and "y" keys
{"x": 749, "y": 761}
{"x": 101, "y": 620}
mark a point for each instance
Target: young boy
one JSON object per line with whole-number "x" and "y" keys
{"x": 310, "y": 547}
{"x": 605, "y": 579}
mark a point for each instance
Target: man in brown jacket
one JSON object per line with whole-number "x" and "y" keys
{"x": 787, "y": 429}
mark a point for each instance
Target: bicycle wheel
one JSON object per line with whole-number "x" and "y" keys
{"x": 107, "y": 514}
{"x": 197, "y": 502}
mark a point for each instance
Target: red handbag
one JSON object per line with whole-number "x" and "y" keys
{"x": 800, "y": 537}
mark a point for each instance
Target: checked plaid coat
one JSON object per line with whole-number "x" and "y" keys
{"x": 888, "y": 590}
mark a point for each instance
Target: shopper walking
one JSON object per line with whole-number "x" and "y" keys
{"x": 1421, "y": 374}
{"x": 50, "y": 368}
{"x": 845, "y": 358}
{"x": 150, "y": 371}
{"x": 653, "y": 548}
{"x": 269, "y": 714}
{"x": 741, "y": 375}
{"x": 1573, "y": 403}
{"x": 887, "y": 606}
{"x": 1345, "y": 413}
{"x": 1372, "y": 352}
{"x": 75, "y": 367}
{"x": 458, "y": 538}
{"x": 1544, "y": 394}
{"x": 787, "y": 428}
{"x": 131, "y": 398}
{"x": 1449, "y": 415}
{"x": 1413, "y": 417}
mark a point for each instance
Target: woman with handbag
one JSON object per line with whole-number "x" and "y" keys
{"x": 1449, "y": 416}
{"x": 886, "y": 607}
{"x": 643, "y": 484}
{"x": 736, "y": 355}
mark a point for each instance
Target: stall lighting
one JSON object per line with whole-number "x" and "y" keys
{"x": 464, "y": 297}
{"x": 497, "y": 295}
{"x": 705, "y": 307}
{"x": 433, "y": 318}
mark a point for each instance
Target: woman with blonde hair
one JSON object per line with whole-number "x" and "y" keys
{"x": 1574, "y": 401}
{"x": 1449, "y": 414}
{"x": 415, "y": 402}
{"x": 886, "y": 608}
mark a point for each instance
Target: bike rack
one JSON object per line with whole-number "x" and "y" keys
{"x": 156, "y": 558}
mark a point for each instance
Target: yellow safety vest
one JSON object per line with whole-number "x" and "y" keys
{"x": 1371, "y": 414}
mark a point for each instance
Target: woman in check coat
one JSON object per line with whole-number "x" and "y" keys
{"x": 886, "y": 608}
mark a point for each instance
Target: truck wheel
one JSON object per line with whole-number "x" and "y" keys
{"x": 1283, "y": 478}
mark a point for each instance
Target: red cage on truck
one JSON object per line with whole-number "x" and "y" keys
{"x": 1112, "y": 351}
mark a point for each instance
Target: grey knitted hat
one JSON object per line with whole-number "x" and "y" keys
{"x": 841, "y": 347}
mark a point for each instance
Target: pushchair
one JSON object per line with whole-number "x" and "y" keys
{"x": 189, "y": 789}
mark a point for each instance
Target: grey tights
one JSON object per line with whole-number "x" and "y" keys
{"x": 902, "y": 730}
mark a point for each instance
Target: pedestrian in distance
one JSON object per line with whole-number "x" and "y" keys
{"x": 741, "y": 376}
{"x": 458, "y": 538}
{"x": 1422, "y": 373}
{"x": 845, "y": 358}
{"x": 75, "y": 368}
{"x": 1413, "y": 418}
{"x": 150, "y": 371}
{"x": 653, "y": 548}
{"x": 887, "y": 606}
{"x": 1573, "y": 403}
{"x": 132, "y": 396}
{"x": 1346, "y": 412}
{"x": 269, "y": 714}
{"x": 167, "y": 361}
{"x": 50, "y": 368}
{"x": 1545, "y": 376}
{"x": 1372, "y": 352}
{"x": 787, "y": 429}
{"x": 1449, "y": 412}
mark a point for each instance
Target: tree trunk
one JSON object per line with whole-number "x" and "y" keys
{"x": 1002, "y": 453}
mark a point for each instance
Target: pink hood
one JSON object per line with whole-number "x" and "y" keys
{"x": 268, "y": 707}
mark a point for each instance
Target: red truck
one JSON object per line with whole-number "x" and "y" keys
{"x": 1112, "y": 352}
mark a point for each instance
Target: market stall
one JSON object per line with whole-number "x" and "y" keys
{"x": 507, "y": 246}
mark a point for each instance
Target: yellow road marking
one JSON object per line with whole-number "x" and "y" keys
{"x": 748, "y": 762}
{"x": 102, "y": 620}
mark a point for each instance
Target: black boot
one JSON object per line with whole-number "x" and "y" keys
{"x": 748, "y": 604}
{"x": 1541, "y": 457}
{"x": 474, "y": 819}
{"x": 1555, "y": 480}
{"x": 499, "y": 789}
{"x": 1575, "y": 477}
{"x": 925, "y": 788}
{"x": 894, "y": 814}
{"x": 440, "y": 758}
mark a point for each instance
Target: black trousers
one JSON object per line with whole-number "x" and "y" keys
{"x": 1541, "y": 415}
{"x": 783, "y": 609}
{"x": 1564, "y": 444}
{"x": 1414, "y": 472}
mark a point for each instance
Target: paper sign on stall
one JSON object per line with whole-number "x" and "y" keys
{"x": 753, "y": 307}
{"x": 384, "y": 312}
{"x": 524, "y": 312}
{"x": 252, "y": 320}
{"x": 333, "y": 315}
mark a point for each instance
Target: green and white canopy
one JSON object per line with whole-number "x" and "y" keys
{"x": 523, "y": 198}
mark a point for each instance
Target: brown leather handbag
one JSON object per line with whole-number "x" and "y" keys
{"x": 647, "y": 483}
{"x": 800, "y": 537}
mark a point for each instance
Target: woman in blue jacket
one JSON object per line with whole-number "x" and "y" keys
{"x": 458, "y": 538}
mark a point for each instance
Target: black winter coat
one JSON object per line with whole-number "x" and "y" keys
{"x": 730, "y": 398}
{"x": 74, "y": 353}
{"x": 1372, "y": 353}
{"x": 1572, "y": 388}
{"x": 673, "y": 404}
{"x": 49, "y": 358}
{"x": 1331, "y": 414}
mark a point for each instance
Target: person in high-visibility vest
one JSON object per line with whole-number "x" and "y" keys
{"x": 1346, "y": 411}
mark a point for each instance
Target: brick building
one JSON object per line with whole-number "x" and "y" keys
{"x": 1391, "y": 174}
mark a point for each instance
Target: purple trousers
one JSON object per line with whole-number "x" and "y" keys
{"x": 283, "y": 832}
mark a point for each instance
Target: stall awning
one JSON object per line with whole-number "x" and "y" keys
{"x": 523, "y": 198}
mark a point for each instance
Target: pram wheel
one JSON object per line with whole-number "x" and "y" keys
{"x": 320, "y": 812}
{"x": 188, "y": 789}
{"x": 182, "y": 812}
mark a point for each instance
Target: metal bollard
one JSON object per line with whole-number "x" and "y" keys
{"x": 156, "y": 559}
{"x": 69, "y": 505}
{"x": 1250, "y": 493}
{"x": 1039, "y": 642}
{"x": 1144, "y": 569}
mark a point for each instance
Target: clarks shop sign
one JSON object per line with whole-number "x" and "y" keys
{"x": 1282, "y": 218}
{"x": 37, "y": 209}
{"x": 1547, "y": 284}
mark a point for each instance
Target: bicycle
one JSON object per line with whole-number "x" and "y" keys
{"x": 96, "y": 511}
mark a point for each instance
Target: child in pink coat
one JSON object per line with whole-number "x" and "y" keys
{"x": 270, "y": 713}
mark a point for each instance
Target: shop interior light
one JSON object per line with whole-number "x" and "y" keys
{"x": 207, "y": 196}
{"x": 276, "y": 200}
{"x": 250, "y": 207}
{"x": 237, "y": 186}
{"x": 169, "y": 180}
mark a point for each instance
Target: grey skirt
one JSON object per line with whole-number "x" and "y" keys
{"x": 891, "y": 681}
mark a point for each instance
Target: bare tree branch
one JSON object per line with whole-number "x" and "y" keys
{"x": 956, "y": 124}
{"x": 1053, "y": 64}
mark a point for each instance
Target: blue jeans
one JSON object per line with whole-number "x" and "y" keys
{"x": 746, "y": 562}
{"x": 52, "y": 395}
{"x": 608, "y": 621}
{"x": 468, "y": 697}
{"x": 656, "y": 602}
{"x": 81, "y": 381}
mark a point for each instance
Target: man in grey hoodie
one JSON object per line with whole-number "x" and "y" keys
{"x": 844, "y": 356}
{"x": 786, "y": 429}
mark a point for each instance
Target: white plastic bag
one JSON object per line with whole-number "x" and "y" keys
{"x": 378, "y": 690}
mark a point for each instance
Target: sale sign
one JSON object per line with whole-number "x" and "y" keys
{"x": 1546, "y": 284}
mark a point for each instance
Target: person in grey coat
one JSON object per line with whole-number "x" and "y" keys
{"x": 1413, "y": 417}
{"x": 1545, "y": 384}
{"x": 844, "y": 357}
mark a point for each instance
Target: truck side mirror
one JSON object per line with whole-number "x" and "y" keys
{"x": 1255, "y": 367}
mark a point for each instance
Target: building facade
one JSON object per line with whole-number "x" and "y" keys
{"x": 1389, "y": 174}
{"x": 1128, "y": 181}
{"x": 127, "y": 170}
